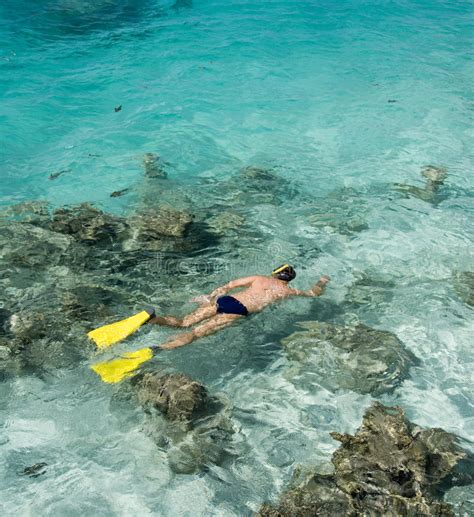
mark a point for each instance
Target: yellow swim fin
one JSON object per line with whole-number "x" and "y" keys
{"x": 110, "y": 334}
{"x": 118, "y": 369}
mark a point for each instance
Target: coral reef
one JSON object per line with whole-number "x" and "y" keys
{"x": 390, "y": 467}
{"x": 343, "y": 211}
{"x": 371, "y": 291}
{"x": 357, "y": 358}
{"x": 87, "y": 224}
{"x": 193, "y": 426}
{"x": 177, "y": 397}
{"x": 370, "y": 296}
{"x": 464, "y": 285}
{"x": 430, "y": 193}
{"x": 164, "y": 221}
{"x": 154, "y": 166}
{"x": 253, "y": 186}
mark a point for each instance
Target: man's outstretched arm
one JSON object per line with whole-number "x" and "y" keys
{"x": 317, "y": 290}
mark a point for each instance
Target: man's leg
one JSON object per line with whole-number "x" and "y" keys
{"x": 216, "y": 323}
{"x": 203, "y": 313}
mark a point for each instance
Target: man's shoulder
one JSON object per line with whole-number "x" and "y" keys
{"x": 264, "y": 278}
{"x": 261, "y": 279}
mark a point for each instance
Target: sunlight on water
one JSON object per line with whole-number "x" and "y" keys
{"x": 288, "y": 131}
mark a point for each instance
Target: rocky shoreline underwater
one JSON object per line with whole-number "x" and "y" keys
{"x": 69, "y": 269}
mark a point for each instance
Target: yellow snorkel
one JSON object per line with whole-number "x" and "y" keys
{"x": 279, "y": 269}
{"x": 284, "y": 272}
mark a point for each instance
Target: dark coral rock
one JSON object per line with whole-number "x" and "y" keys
{"x": 165, "y": 221}
{"x": 176, "y": 396}
{"x": 89, "y": 302}
{"x": 28, "y": 325}
{"x": 225, "y": 222}
{"x": 36, "y": 212}
{"x": 39, "y": 341}
{"x": 87, "y": 224}
{"x": 358, "y": 357}
{"x": 266, "y": 183}
{"x": 311, "y": 496}
{"x": 343, "y": 211}
{"x": 35, "y": 470}
{"x": 388, "y": 468}
{"x": 259, "y": 174}
{"x": 196, "y": 429}
{"x": 153, "y": 229}
{"x": 371, "y": 291}
{"x": 26, "y": 246}
{"x": 154, "y": 166}
{"x": 464, "y": 286}
{"x": 430, "y": 193}
{"x": 5, "y": 316}
{"x": 434, "y": 174}
{"x": 255, "y": 185}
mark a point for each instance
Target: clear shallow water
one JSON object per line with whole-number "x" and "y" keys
{"x": 299, "y": 86}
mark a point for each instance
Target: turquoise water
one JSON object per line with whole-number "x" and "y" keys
{"x": 346, "y": 97}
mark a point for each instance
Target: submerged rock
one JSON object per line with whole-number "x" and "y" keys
{"x": 25, "y": 245}
{"x": 27, "y": 211}
{"x": 258, "y": 174}
{"x": 44, "y": 324}
{"x": 64, "y": 273}
{"x": 343, "y": 211}
{"x": 36, "y": 470}
{"x": 266, "y": 182}
{"x": 154, "y": 166}
{"x": 165, "y": 221}
{"x": 255, "y": 185}
{"x": 464, "y": 285}
{"x": 86, "y": 224}
{"x": 357, "y": 358}
{"x": 195, "y": 427}
{"x": 41, "y": 340}
{"x": 225, "y": 222}
{"x": 28, "y": 325}
{"x": 435, "y": 177}
{"x": 5, "y": 316}
{"x": 5, "y": 350}
{"x": 371, "y": 291}
{"x": 369, "y": 297}
{"x": 390, "y": 467}
{"x": 34, "y": 262}
{"x": 177, "y": 397}
{"x": 153, "y": 229}
{"x": 89, "y": 302}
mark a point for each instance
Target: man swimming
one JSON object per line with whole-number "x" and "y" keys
{"x": 220, "y": 309}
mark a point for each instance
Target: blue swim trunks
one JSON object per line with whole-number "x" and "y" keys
{"x": 229, "y": 305}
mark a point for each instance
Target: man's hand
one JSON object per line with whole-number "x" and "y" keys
{"x": 319, "y": 288}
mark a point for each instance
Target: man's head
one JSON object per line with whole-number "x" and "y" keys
{"x": 285, "y": 273}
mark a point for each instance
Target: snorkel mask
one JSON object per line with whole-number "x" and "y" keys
{"x": 285, "y": 273}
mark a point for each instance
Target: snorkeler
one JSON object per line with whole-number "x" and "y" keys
{"x": 220, "y": 309}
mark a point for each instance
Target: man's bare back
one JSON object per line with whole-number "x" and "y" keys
{"x": 260, "y": 292}
{"x": 218, "y": 310}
